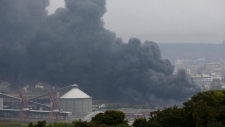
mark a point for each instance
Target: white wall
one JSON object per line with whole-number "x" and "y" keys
{"x": 76, "y": 106}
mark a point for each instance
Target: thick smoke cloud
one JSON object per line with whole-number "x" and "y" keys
{"x": 72, "y": 46}
{"x": 19, "y": 20}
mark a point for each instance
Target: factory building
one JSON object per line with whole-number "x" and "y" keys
{"x": 75, "y": 101}
{"x": 73, "y": 104}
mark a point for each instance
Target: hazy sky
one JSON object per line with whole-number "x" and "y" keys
{"x": 201, "y": 21}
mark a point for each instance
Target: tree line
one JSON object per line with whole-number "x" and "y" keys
{"x": 205, "y": 109}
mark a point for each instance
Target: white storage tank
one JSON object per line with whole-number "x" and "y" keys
{"x": 75, "y": 101}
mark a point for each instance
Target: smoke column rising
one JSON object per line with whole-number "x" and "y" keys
{"x": 19, "y": 21}
{"x": 72, "y": 46}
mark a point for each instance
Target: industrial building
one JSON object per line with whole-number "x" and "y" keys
{"x": 76, "y": 101}
{"x": 73, "y": 103}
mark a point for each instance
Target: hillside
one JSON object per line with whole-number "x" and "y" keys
{"x": 174, "y": 51}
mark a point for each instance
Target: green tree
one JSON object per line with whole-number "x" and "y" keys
{"x": 110, "y": 117}
{"x": 38, "y": 124}
{"x": 30, "y": 125}
{"x": 80, "y": 123}
{"x": 205, "y": 109}
{"x": 12, "y": 124}
{"x": 141, "y": 122}
{"x": 60, "y": 124}
{"x": 203, "y": 114}
{"x": 169, "y": 117}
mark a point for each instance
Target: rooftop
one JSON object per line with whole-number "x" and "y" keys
{"x": 75, "y": 93}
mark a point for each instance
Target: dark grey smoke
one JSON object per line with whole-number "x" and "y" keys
{"x": 19, "y": 20}
{"x": 72, "y": 46}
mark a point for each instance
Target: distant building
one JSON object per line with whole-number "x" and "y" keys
{"x": 39, "y": 85}
{"x": 178, "y": 62}
{"x": 202, "y": 79}
{"x": 191, "y": 67}
{"x": 215, "y": 66}
{"x": 131, "y": 113}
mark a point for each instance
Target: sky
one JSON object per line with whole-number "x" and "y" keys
{"x": 164, "y": 21}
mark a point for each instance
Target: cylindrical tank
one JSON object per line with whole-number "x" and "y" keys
{"x": 75, "y": 101}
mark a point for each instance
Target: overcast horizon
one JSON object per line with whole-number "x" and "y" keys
{"x": 174, "y": 21}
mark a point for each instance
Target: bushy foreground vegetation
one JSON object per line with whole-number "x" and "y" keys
{"x": 206, "y": 109}
{"x": 110, "y": 118}
{"x": 12, "y": 124}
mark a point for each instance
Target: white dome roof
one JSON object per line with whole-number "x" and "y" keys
{"x": 74, "y": 93}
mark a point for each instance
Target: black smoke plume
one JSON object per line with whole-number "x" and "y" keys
{"x": 72, "y": 46}
{"x": 19, "y": 21}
